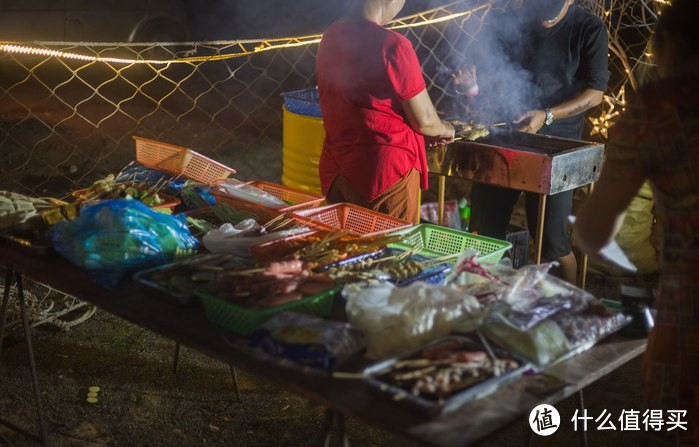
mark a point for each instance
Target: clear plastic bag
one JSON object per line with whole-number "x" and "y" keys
{"x": 113, "y": 237}
{"x": 308, "y": 340}
{"x": 249, "y": 193}
{"x": 137, "y": 173}
{"x": 397, "y": 320}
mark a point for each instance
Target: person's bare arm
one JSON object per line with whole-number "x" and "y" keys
{"x": 533, "y": 120}
{"x": 601, "y": 215}
{"x": 423, "y": 117}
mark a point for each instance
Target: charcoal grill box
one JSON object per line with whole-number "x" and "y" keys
{"x": 526, "y": 162}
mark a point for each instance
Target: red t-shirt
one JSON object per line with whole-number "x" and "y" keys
{"x": 364, "y": 72}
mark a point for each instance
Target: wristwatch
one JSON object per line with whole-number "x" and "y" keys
{"x": 549, "y": 117}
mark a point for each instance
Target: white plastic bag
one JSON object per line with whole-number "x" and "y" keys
{"x": 396, "y": 320}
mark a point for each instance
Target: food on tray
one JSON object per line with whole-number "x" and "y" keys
{"x": 108, "y": 189}
{"x": 445, "y": 368}
{"x": 470, "y": 130}
{"x": 15, "y": 208}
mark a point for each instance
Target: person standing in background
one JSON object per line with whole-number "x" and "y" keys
{"x": 563, "y": 49}
{"x": 657, "y": 139}
{"x": 376, "y": 113}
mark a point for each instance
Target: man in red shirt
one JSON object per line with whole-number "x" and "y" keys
{"x": 376, "y": 111}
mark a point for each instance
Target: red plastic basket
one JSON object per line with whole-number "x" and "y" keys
{"x": 180, "y": 161}
{"x": 350, "y": 218}
{"x": 296, "y": 198}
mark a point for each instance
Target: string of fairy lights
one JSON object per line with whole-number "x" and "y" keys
{"x": 242, "y": 48}
{"x": 612, "y": 106}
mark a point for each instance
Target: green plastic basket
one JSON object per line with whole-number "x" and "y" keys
{"x": 434, "y": 241}
{"x": 244, "y": 321}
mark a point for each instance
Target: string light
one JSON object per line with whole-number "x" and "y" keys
{"x": 604, "y": 122}
{"x": 258, "y": 46}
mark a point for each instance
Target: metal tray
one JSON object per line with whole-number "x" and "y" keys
{"x": 27, "y": 244}
{"x": 159, "y": 291}
{"x": 433, "y": 407}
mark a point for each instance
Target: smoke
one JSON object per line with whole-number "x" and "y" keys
{"x": 497, "y": 49}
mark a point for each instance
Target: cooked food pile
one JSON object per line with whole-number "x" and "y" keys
{"x": 445, "y": 368}
{"x": 469, "y": 130}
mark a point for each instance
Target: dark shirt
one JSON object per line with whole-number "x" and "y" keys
{"x": 564, "y": 61}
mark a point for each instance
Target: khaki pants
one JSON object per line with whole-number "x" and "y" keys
{"x": 400, "y": 200}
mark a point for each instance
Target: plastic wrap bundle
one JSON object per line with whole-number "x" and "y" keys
{"x": 308, "y": 340}
{"x": 114, "y": 237}
{"x": 396, "y": 320}
{"x": 137, "y": 173}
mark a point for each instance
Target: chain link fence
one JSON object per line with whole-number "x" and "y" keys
{"x": 68, "y": 110}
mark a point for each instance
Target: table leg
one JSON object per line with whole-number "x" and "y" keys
{"x": 581, "y": 407}
{"x": 3, "y": 311}
{"x": 440, "y": 199}
{"x": 32, "y": 363}
{"x": 540, "y": 227}
{"x": 329, "y": 420}
{"x": 176, "y": 357}
{"x": 582, "y": 280}
{"x": 234, "y": 376}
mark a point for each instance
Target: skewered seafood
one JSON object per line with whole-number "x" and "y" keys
{"x": 469, "y": 130}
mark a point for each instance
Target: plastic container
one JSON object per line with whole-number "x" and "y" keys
{"x": 519, "y": 238}
{"x": 436, "y": 242}
{"x": 244, "y": 321}
{"x": 178, "y": 160}
{"x": 297, "y": 200}
{"x": 302, "y": 139}
{"x": 350, "y": 218}
{"x": 303, "y": 102}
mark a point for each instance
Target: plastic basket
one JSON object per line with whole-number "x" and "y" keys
{"x": 303, "y": 102}
{"x": 519, "y": 238}
{"x": 244, "y": 321}
{"x": 296, "y": 199}
{"x": 353, "y": 219}
{"x": 434, "y": 241}
{"x": 177, "y": 160}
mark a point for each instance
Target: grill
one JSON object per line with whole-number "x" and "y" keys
{"x": 536, "y": 163}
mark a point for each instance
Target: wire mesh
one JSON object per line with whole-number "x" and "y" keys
{"x": 68, "y": 110}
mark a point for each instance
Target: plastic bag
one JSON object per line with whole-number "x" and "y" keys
{"x": 396, "y": 320}
{"x": 308, "y": 340}
{"x": 545, "y": 319}
{"x": 249, "y": 193}
{"x": 136, "y": 173}
{"x": 237, "y": 239}
{"x": 113, "y": 237}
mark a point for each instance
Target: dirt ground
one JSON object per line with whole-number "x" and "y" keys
{"x": 142, "y": 402}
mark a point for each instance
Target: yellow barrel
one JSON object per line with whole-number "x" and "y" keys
{"x": 303, "y": 141}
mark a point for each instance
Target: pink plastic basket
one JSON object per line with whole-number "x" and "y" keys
{"x": 350, "y": 218}
{"x": 179, "y": 161}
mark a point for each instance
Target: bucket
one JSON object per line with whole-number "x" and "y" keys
{"x": 302, "y": 144}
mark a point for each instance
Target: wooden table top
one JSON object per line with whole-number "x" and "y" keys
{"x": 188, "y": 325}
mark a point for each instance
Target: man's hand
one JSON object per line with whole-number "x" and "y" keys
{"x": 465, "y": 80}
{"x": 532, "y": 121}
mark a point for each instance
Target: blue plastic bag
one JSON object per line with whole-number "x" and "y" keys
{"x": 136, "y": 172}
{"x": 115, "y": 237}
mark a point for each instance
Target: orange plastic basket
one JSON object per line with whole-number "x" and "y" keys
{"x": 180, "y": 161}
{"x": 296, "y": 199}
{"x": 350, "y": 218}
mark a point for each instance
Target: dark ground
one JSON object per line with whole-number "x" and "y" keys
{"x": 142, "y": 403}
